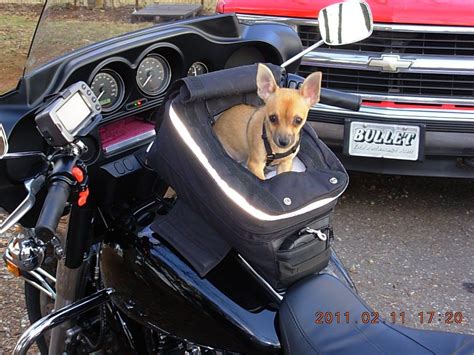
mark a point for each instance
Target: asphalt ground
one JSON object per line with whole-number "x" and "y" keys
{"x": 409, "y": 245}
{"x": 407, "y": 241}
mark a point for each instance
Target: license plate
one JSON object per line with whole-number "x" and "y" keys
{"x": 379, "y": 140}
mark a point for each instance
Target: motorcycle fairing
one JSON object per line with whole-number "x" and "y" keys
{"x": 300, "y": 334}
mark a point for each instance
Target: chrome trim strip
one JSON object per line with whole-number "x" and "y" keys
{"x": 280, "y": 19}
{"x": 46, "y": 274}
{"x": 404, "y": 114}
{"x": 113, "y": 148}
{"x": 419, "y": 99}
{"x": 42, "y": 282}
{"x": 377, "y": 26}
{"x": 41, "y": 289}
{"x": 3, "y": 142}
{"x": 278, "y": 297}
{"x": 360, "y": 61}
{"x": 423, "y": 28}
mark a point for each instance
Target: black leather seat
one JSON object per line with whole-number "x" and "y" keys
{"x": 325, "y": 293}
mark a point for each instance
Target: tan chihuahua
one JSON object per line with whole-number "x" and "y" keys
{"x": 270, "y": 134}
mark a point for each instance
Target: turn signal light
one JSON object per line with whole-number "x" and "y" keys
{"x": 13, "y": 269}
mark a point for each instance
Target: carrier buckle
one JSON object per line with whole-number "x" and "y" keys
{"x": 321, "y": 236}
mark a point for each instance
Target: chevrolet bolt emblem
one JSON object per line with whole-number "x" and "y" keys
{"x": 390, "y": 63}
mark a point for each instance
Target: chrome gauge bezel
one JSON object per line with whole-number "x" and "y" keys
{"x": 120, "y": 88}
{"x": 198, "y": 63}
{"x": 166, "y": 79}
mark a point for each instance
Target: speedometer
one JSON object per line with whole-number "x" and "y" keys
{"x": 108, "y": 87}
{"x": 153, "y": 75}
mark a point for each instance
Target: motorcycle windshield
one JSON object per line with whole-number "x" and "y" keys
{"x": 67, "y": 25}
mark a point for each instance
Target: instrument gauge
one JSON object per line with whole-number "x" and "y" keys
{"x": 197, "y": 68}
{"x": 153, "y": 75}
{"x": 108, "y": 87}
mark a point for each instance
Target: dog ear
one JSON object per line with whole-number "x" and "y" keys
{"x": 266, "y": 83}
{"x": 311, "y": 88}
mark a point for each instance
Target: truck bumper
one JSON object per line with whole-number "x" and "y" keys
{"x": 448, "y": 146}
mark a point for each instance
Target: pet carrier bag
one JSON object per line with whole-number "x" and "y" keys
{"x": 281, "y": 225}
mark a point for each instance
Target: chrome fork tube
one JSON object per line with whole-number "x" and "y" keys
{"x": 70, "y": 285}
{"x": 69, "y": 288}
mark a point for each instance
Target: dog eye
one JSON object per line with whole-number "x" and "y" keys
{"x": 273, "y": 118}
{"x": 297, "y": 120}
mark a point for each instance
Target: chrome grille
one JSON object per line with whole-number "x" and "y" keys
{"x": 367, "y": 81}
{"x": 451, "y": 44}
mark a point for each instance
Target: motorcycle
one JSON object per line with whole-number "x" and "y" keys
{"x": 117, "y": 279}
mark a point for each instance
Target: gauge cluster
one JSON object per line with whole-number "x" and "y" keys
{"x": 109, "y": 89}
{"x": 122, "y": 85}
{"x": 153, "y": 75}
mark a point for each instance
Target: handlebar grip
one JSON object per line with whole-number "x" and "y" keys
{"x": 340, "y": 99}
{"x": 328, "y": 96}
{"x": 53, "y": 207}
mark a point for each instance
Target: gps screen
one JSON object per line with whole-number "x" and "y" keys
{"x": 73, "y": 112}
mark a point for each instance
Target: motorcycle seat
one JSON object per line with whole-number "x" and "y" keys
{"x": 304, "y": 332}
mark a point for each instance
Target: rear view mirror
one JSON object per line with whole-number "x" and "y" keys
{"x": 3, "y": 142}
{"x": 345, "y": 23}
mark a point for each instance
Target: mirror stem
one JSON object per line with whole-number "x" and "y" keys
{"x": 301, "y": 54}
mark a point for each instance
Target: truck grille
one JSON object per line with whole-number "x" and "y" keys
{"x": 451, "y": 44}
{"x": 367, "y": 81}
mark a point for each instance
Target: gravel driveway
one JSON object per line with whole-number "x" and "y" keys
{"x": 408, "y": 242}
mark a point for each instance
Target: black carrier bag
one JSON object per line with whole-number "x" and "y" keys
{"x": 281, "y": 226}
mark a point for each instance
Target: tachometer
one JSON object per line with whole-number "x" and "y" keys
{"x": 108, "y": 87}
{"x": 153, "y": 75}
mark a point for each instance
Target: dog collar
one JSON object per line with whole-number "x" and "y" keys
{"x": 274, "y": 156}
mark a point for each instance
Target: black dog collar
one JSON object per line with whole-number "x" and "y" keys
{"x": 273, "y": 156}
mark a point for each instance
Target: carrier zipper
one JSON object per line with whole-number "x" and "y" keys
{"x": 321, "y": 236}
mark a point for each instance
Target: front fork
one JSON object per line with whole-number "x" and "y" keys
{"x": 25, "y": 253}
{"x": 71, "y": 272}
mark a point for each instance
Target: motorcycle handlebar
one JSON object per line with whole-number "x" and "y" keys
{"x": 328, "y": 96}
{"x": 340, "y": 99}
{"x": 53, "y": 207}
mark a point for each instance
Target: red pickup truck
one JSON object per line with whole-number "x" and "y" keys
{"x": 415, "y": 73}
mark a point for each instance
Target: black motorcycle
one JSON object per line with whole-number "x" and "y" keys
{"x": 166, "y": 244}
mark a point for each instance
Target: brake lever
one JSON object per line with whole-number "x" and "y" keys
{"x": 32, "y": 186}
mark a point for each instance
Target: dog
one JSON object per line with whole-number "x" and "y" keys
{"x": 270, "y": 134}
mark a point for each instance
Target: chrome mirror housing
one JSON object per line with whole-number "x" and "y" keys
{"x": 3, "y": 142}
{"x": 345, "y": 22}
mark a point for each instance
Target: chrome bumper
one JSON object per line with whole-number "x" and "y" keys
{"x": 403, "y": 114}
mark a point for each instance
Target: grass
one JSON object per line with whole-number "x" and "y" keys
{"x": 15, "y": 36}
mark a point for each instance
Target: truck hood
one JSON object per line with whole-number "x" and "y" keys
{"x": 423, "y": 12}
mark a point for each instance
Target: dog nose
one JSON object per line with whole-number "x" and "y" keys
{"x": 283, "y": 141}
